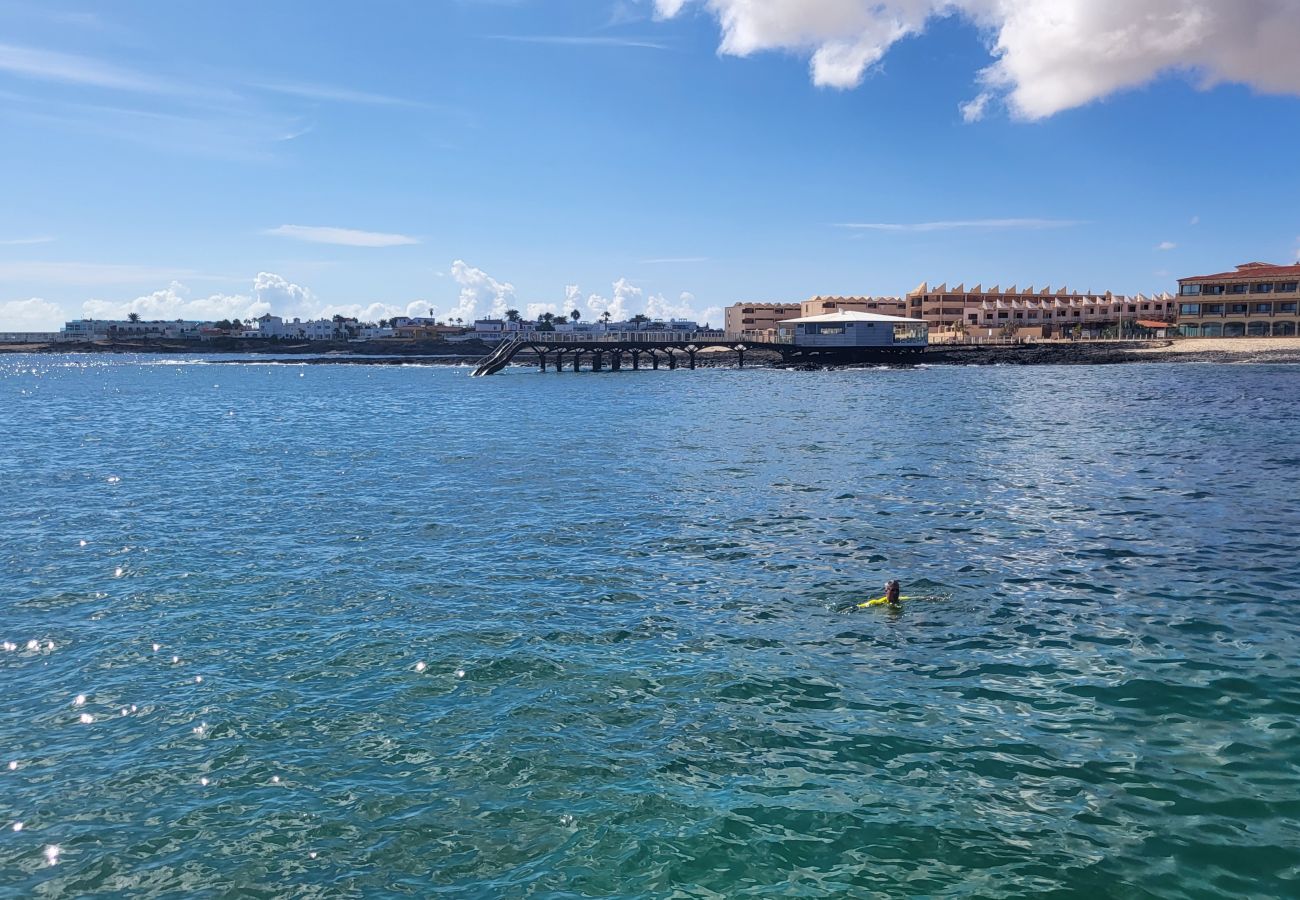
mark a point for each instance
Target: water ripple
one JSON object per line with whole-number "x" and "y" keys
{"x": 392, "y": 631}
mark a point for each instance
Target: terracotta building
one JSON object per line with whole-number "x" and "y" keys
{"x": 1257, "y": 300}
{"x": 885, "y": 306}
{"x": 1045, "y": 312}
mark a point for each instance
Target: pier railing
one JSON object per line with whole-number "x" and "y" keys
{"x": 651, "y": 337}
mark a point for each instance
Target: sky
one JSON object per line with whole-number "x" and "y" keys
{"x": 460, "y": 157}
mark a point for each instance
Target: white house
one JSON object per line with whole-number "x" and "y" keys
{"x": 849, "y": 330}
{"x": 269, "y": 326}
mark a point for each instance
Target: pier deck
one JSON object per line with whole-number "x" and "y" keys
{"x": 672, "y": 348}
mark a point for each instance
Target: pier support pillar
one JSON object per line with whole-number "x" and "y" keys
{"x": 691, "y": 355}
{"x": 740, "y": 356}
{"x": 616, "y": 361}
{"x": 597, "y": 361}
{"x": 559, "y": 360}
{"x": 541, "y": 359}
{"x": 654, "y": 360}
{"x": 577, "y": 358}
{"x": 636, "y": 360}
{"x": 672, "y": 359}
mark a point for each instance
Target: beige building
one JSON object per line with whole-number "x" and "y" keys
{"x": 1045, "y": 312}
{"x": 885, "y": 306}
{"x": 765, "y": 316}
{"x": 758, "y": 316}
{"x": 1257, "y": 300}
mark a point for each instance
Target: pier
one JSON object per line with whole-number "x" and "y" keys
{"x": 609, "y": 351}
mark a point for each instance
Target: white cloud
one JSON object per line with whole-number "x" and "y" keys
{"x": 279, "y": 293}
{"x": 1050, "y": 55}
{"x": 346, "y": 237}
{"x": 330, "y": 93}
{"x": 1166, "y": 245}
{"x": 175, "y": 302}
{"x": 45, "y": 65}
{"x": 685, "y": 307}
{"x": 33, "y": 314}
{"x": 18, "y": 242}
{"x": 270, "y": 293}
{"x": 974, "y": 110}
{"x": 1026, "y": 224}
{"x": 624, "y": 293}
{"x": 480, "y": 293}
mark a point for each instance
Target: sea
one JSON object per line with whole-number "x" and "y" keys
{"x": 273, "y": 629}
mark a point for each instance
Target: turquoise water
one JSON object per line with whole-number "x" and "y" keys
{"x": 367, "y": 631}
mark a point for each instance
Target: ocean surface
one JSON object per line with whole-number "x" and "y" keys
{"x": 274, "y": 630}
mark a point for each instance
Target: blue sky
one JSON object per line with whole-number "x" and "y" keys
{"x": 206, "y": 159}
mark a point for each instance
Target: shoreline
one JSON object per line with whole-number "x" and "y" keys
{"x": 1223, "y": 351}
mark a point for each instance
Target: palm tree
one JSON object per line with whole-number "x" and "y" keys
{"x": 575, "y": 315}
{"x": 605, "y": 317}
{"x": 639, "y": 318}
{"x": 133, "y": 317}
{"x": 512, "y": 315}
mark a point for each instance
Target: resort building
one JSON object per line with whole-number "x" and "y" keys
{"x": 759, "y": 316}
{"x": 820, "y": 306}
{"x": 1040, "y": 313}
{"x": 1257, "y": 300}
{"x": 100, "y": 329}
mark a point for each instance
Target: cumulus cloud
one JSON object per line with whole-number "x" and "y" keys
{"x": 624, "y": 293}
{"x": 1049, "y": 55}
{"x": 685, "y": 307}
{"x": 1166, "y": 245}
{"x": 480, "y": 293}
{"x": 32, "y": 314}
{"x": 270, "y": 293}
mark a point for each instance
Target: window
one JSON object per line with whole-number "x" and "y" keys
{"x": 1211, "y": 309}
{"x": 1212, "y": 289}
{"x": 1287, "y": 287}
{"x": 1133, "y": 308}
{"x": 1264, "y": 308}
{"x": 1033, "y": 315}
{"x": 1189, "y": 309}
{"x": 829, "y": 329}
{"x": 1190, "y": 290}
{"x": 1002, "y": 315}
{"x": 1286, "y": 307}
{"x": 1238, "y": 288}
{"x": 1263, "y": 288}
{"x": 1146, "y": 306}
{"x": 747, "y": 312}
{"x": 1237, "y": 309}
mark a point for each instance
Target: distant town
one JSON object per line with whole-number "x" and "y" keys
{"x": 1253, "y": 300}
